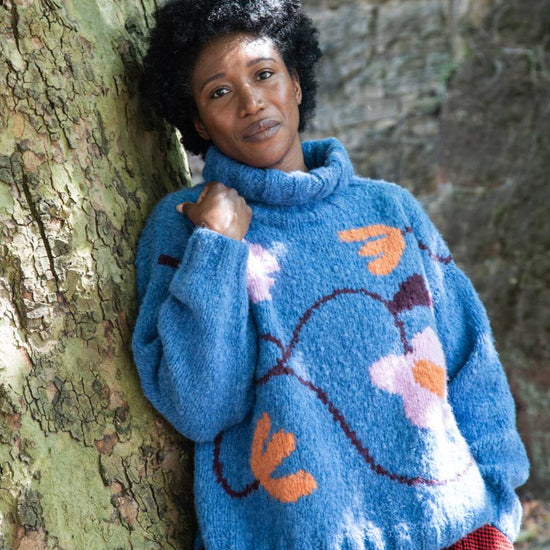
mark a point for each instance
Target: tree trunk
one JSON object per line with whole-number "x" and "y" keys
{"x": 85, "y": 463}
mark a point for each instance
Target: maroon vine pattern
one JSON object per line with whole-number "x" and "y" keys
{"x": 446, "y": 260}
{"x": 218, "y": 470}
{"x": 412, "y": 292}
{"x": 170, "y": 261}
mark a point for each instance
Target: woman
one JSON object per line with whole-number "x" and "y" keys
{"x": 308, "y": 328}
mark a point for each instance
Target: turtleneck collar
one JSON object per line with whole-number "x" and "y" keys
{"x": 329, "y": 167}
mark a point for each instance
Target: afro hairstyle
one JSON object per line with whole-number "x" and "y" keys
{"x": 182, "y": 29}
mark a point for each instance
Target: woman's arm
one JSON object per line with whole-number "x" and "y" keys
{"x": 194, "y": 342}
{"x": 480, "y": 397}
{"x": 478, "y": 391}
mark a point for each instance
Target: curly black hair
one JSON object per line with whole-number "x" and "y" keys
{"x": 182, "y": 29}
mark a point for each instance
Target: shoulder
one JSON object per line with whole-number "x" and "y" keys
{"x": 387, "y": 196}
{"x": 381, "y": 188}
{"x": 397, "y": 205}
{"x": 165, "y": 226}
{"x": 165, "y": 209}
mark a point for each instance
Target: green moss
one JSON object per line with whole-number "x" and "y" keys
{"x": 72, "y": 466}
{"x": 74, "y": 503}
{"x": 6, "y": 200}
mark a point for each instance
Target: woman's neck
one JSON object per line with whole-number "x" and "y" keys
{"x": 323, "y": 167}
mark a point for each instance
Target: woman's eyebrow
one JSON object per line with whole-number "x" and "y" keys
{"x": 210, "y": 78}
{"x": 249, "y": 64}
{"x": 258, "y": 60}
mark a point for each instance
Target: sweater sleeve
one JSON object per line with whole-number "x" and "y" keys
{"x": 194, "y": 342}
{"x": 478, "y": 390}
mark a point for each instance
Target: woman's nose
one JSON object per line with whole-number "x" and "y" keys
{"x": 251, "y": 101}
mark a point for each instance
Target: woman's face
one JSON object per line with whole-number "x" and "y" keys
{"x": 247, "y": 102}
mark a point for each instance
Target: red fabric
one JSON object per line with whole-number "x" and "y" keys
{"x": 484, "y": 538}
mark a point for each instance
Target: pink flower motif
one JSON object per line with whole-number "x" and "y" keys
{"x": 420, "y": 378}
{"x": 261, "y": 263}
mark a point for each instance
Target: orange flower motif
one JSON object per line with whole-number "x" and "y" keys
{"x": 430, "y": 376}
{"x": 420, "y": 378}
{"x": 281, "y": 445}
{"x": 386, "y": 244}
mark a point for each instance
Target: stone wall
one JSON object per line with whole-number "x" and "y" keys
{"x": 450, "y": 98}
{"x": 383, "y": 80}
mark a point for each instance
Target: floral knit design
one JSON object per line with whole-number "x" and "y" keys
{"x": 419, "y": 377}
{"x": 263, "y": 463}
{"x": 261, "y": 264}
{"x": 384, "y": 243}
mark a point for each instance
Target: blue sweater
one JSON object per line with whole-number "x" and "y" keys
{"x": 335, "y": 369}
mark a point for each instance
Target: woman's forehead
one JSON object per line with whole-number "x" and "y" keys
{"x": 223, "y": 52}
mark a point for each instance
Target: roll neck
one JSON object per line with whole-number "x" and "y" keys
{"x": 329, "y": 168}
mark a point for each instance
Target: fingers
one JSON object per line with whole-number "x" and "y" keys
{"x": 185, "y": 207}
{"x": 221, "y": 209}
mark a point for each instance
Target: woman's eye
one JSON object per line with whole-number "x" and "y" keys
{"x": 263, "y": 75}
{"x": 219, "y": 92}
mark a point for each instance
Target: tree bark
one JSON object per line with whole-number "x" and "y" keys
{"x": 85, "y": 462}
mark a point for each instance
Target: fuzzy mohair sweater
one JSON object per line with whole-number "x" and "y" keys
{"x": 335, "y": 369}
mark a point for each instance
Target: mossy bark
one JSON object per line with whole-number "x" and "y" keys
{"x": 85, "y": 463}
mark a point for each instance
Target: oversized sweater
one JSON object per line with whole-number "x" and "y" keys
{"x": 335, "y": 368}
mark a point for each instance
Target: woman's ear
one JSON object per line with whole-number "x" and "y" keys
{"x": 297, "y": 87}
{"x": 201, "y": 129}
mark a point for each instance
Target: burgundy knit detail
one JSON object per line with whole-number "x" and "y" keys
{"x": 170, "y": 261}
{"x": 435, "y": 257}
{"x": 218, "y": 471}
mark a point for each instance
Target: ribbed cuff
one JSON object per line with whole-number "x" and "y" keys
{"x": 210, "y": 259}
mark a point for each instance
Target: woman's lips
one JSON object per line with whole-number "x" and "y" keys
{"x": 261, "y": 130}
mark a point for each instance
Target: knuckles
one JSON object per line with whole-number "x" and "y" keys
{"x": 222, "y": 209}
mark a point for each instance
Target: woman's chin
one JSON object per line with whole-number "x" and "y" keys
{"x": 266, "y": 154}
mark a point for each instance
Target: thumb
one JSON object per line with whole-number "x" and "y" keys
{"x": 184, "y": 207}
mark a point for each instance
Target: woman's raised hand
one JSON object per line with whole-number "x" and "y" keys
{"x": 221, "y": 209}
